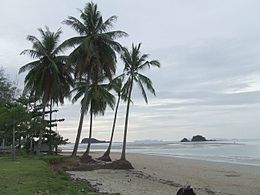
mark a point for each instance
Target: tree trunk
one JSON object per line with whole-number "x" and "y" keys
{"x": 31, "y": 145}
{"x": 3, "y": 144}
{"x": 90, "y": 133}
{"x": 56, "y": 150}
{"x": 107, "y": 153}
{"x": 50, "y": 114}
{"x": 126, "y": 121}
{"x": 19, "y": 142}
{"x": 50, "y": 141}
{"x": 41, "y": 131}
{"x": 13, "y": 145}
{"x": 76, "y": 145}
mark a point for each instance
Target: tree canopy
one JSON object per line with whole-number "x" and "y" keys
{"x": 7, "y": 88}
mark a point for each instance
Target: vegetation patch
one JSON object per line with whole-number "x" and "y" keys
{"x": 33, "y": 176}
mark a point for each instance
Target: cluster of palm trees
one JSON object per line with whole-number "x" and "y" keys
{"x": 88, "y": 72}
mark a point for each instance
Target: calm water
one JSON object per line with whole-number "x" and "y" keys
{"x": 232, "y": 151}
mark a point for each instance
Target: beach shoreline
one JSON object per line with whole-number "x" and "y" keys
{"x": 165, "y": 175}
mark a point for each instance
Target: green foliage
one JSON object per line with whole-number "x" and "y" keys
{"x": 25, "y": 117}
{"x": 13, "y": 116}
{"x": 7, "y": 88}
{"x": 53, "y": 139}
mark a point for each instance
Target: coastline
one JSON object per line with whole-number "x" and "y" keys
{"x": 164, "y": 175}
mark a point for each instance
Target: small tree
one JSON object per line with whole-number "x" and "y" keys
{"x": 14, "y": 115}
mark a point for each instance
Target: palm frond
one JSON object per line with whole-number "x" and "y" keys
{"x": 32, "y": 53}
{"x": 108, "y": 24}
{"x": 76, "y": 24}
{"x": 29, "y": 66}
{"x": 142, "y": 90}
{"x": 147, "y": 82}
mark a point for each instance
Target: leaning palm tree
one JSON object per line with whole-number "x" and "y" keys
{"x": 116, "y": 85}
{"x": 97, "y": 100}
{"x": 48, "y": 77}
{"x": 95, "y": 50}
{"x": 135, "y": 62}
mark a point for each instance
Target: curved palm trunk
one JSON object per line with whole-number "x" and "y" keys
{"x": 50, "y": 113}
{"x": 107, "y": 153}
{"x": 76, "y": 145}
{"x": 126, "y": 122}
{"x": 41, "y": 131}
{"x": 90, "y": 134}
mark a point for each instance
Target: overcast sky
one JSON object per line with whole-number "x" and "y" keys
{"x": 209, "y": 82}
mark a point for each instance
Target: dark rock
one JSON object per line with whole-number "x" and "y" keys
{"x": 198, "y": 138}
{"x": 185, "y": 140}
{"x": 186, "y": 191}
{"x": 92, "y": 140}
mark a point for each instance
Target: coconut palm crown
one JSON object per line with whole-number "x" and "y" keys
{"x": 95, "y": 47}
{"x": 48, "y": 76}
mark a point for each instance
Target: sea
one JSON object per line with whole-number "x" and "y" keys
{"x": 244, "y": 152}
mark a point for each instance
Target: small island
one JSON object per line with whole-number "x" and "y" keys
{"x": 196, "y": 138}
{"x": 93, "y": 141}
{"x": 185, "y": 140}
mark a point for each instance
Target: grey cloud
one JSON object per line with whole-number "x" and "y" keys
{"x": 210, "y": 55}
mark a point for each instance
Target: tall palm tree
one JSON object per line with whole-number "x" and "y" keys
{"x": 97, "y": 100}
{"x": 135, "y": 62}
{"x": 95, "y": 50}
{"x": 116, "y": 85}
{"x": 48, "y": 78}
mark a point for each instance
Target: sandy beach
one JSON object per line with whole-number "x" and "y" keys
{"x": 164, "y": 175}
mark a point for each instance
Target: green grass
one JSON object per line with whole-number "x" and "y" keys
{"x": 29, "y": 176}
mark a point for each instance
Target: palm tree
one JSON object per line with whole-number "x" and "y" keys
{"x": 95, "y": 50}
{"x": 48, "y": 77}
{"x": 97, "y": 100}
{"x": 116, "y": 85}
{"x": 135, "y": 62}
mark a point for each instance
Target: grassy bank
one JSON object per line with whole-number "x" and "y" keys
{"x": 29, "y": 176}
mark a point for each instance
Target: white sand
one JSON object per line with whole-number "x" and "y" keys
{"x": 156, "y": 175}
